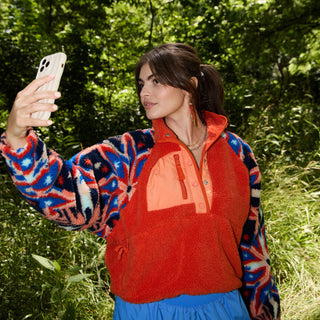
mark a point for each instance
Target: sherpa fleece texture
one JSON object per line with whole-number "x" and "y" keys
{"x": 181, "y": 247}
{"x": 92, "y": 190}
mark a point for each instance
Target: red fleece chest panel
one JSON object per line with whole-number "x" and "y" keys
{"x": 231, "y": 186}
{"x": 161, "y": 254}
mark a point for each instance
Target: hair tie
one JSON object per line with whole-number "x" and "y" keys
{"x": 201, "y": 72}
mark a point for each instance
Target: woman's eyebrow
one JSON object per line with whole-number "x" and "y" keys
{"x": 148, "y": 78}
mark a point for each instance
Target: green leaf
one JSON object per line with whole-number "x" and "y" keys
{"x": 79, "y": 277}
{"x": 51, "y": 265}
{"x": 57, "y": 265}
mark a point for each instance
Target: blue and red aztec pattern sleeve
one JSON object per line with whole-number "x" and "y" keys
{"x": 259, "y": 291}
{"x": 86, "y": 192}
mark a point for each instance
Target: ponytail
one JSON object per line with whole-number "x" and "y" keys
{"x": 210, "y": 91}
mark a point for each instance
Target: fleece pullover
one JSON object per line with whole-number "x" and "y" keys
{"x": 175, "y": 237}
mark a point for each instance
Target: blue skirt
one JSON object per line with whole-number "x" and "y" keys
{"x": 216, "y": 306}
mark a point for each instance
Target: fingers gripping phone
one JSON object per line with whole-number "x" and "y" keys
{"x": 51, "y": 64}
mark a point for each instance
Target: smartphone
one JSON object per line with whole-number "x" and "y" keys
{"x": 51, "y": 64}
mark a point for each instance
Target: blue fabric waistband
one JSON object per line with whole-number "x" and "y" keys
{"x": 191, "y": 301}
{"x": 216, "y": 306}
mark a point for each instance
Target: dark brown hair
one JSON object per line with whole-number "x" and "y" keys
{"x": 174, "y": 64}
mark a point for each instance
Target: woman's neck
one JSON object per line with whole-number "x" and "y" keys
{"x": 188, "y": 133}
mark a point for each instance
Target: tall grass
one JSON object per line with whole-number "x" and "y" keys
{"x": 30, "y": 291}
{"x": 291, "y": 200}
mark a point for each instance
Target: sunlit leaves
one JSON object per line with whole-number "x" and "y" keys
{"x": 261, "y": 47}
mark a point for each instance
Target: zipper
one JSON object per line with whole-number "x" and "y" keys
{"x": 198, "y": 170}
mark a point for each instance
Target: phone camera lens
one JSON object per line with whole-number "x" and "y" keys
{"x": 42, "y": 68}
{"x": 47, "y": 64}
{"x": 44, "y": 61}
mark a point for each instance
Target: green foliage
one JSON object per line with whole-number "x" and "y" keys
{"x": 58, "y": 287}
{"x": 266, "y": 52}
{"x": 292, "y": 205}
{"x": 285, "y": 136}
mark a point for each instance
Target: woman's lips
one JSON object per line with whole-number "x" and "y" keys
{"x": 148, "y": 104}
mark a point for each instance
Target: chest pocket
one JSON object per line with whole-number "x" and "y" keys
{"x": 174, "y": 181}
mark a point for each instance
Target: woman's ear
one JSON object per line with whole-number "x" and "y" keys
{"x": 194, "y": 81}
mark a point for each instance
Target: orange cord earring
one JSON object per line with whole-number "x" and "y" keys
{"x": 193, "y": 114}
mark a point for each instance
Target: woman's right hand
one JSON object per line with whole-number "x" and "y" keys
{"x": 26, "y": 103}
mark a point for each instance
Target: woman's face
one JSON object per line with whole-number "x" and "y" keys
{"x": 161, "y": 100}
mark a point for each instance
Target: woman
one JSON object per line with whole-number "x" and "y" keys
{"x": 178, "y": 203}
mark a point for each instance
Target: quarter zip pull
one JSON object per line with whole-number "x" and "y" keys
{"x": 181, "y": 176}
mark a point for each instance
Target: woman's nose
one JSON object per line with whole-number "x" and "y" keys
{"x": 144, "y": 91}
